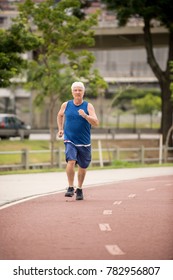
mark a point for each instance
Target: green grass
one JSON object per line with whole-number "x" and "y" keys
{"x": 127, "y": 125}
{"x": 9, "y": 145}
{"x": 30, "y": 145}
{"x": 35, "y": 145}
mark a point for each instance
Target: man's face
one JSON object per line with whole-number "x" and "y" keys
{"x": 78, "y": 92}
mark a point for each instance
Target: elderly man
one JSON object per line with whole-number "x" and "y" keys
{"x": 74, "y": 121}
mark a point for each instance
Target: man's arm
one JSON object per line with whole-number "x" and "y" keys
{"x": 92, "y": 117}
{"x": 60, "y": 119}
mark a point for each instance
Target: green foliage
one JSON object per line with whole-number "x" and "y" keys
{"x": 134, "y": 92}
{"x": 127, "y": 97}
{"x": 79, "y": 11}
{"x": 13, "y": 43}
{"x": 147, "y": 104}
{"x": 59, "y": 61}
{"x": 160, "y": 10}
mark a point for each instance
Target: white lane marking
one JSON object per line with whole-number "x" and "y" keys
{"x": 168, "y": 184}
{"x": 117, "y": 202}
{"x": 132, "y": 195}
{"x": 21, "y": 200}
{"x": 114, "y": 250}
{"x": 150, "y": 190}
{"x": 104, "y": 227}
{"x": 107, "y": 212}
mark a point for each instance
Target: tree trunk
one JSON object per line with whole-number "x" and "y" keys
{"x": 163, "y": 79}
{"x": 167, "y": 111}
{"x": 52, "y": 136}
{"x": 167, "y": 143}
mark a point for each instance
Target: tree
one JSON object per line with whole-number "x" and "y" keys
{"x": 58, "y": 60}
{"x": 79, "y": 11}
{"x": 159, "y": 10}
{"x": 14, "y": 42}
{"x": 168, "y": 137}
{"x": 147, "y": 104}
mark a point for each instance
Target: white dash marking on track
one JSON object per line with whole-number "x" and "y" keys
{"x": 168, "y": 184}
{"x": 132, "y": 195}
{"x": 104, "y": 227}
{"x": 114, "y": 250}
{"x": 107, "y": 212}
{"x": 117, "y": 202}
{"x": 151, "y": 189}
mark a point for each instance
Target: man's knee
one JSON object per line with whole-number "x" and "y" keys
{"x": 71, "y": 163}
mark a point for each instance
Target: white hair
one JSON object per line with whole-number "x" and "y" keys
{"x": 78, "y": 84}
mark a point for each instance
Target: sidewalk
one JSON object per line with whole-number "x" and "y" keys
{"x": 96, "y": 136}
{"x": 20, "y": 186}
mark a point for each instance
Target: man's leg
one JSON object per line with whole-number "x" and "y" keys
{"x": 83, "y": 159}
{"x": 81, "y": 176}
{"x": 70, "y": 171}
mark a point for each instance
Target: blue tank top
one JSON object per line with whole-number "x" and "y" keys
{"x": 76, "y": 128}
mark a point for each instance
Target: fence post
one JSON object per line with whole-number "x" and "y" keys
{"x": 116, "y": 153}
{"x": 113, "y": 133}
{"x": 100, "y": 153}
{"x": 160, "y": 149}
{"x": 58, "y": 158}
{"x": 139, "y": 134}
{"x": 25, "y": 159}
{"x": 165, "y": 151}
{"x": 142, "y": 154}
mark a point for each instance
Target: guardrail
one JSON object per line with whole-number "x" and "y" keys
{"x": 101, "y": 157}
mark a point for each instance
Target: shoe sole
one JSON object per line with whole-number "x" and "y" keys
{"x": 69, "y": 194}
{"x": 79, "y": 198}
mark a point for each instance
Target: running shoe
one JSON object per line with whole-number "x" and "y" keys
{"x": 70, "y": 192}
{"x": 79, "y": 194}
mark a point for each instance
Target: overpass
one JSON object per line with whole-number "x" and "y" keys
{"x": 109, "y": 36}
{"x": 113, "y": 37}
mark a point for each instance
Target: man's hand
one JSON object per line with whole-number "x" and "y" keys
{"x": 82, "y": 113}
{"x": 60, "y": 133}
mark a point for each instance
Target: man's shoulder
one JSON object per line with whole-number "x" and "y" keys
{"x": 66, "y": 102}
{"x": 90, "y": 105}
{"x": 87, "y": 103}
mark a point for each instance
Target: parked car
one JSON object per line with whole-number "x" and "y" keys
{"x": 12, "y": 126}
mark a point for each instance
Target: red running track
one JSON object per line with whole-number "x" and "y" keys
{"x": 131, "y": 220}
